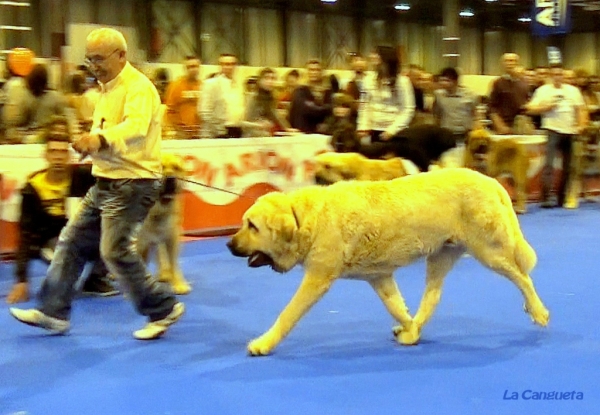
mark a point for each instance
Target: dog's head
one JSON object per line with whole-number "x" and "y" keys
{"x": 478, "y": 144}
{"x": 344, "y": 139}
{"x": 268, "y": 235}
{"x": 334, "y": 167}
{"x": 173, "y": 169}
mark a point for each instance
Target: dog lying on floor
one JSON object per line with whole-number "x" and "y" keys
{"x": 333, "y": 167}
{"x": 162, "y": 228}
{"x": 494, "y": 157}
{"x": 423, "y": 145}
{"x": 366, "y": 230}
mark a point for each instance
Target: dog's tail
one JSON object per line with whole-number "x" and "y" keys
{"x": 525, "y": 255}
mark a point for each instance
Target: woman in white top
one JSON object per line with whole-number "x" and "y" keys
{"x": 388, "y": 104}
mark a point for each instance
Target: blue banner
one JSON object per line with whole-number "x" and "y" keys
{"x": 550, "y": 17}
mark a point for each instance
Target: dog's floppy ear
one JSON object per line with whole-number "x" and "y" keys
{"x": 346, "y": 171}
{"x": 284, "y": 221}
{"x": 347, "y": 174}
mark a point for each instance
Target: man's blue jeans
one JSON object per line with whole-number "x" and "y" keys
{"x": 110, "y": 215}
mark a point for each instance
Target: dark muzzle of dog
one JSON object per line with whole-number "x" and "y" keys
{"x": 168, "y": 190}
{"x": 320, "y": 180}
{"x": 255, "y": 259}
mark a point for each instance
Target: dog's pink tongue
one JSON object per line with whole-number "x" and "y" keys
{"x": 259, "y": 260}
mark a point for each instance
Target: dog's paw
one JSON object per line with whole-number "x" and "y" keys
{"x": 261, "y": 346}
{"x": 520, "y": 210}
{"x": 165, "y": 276}
{"x": 18, "y": 294}
{"x": 407, "y": 336}
{"x": 541, "y": 316}
{"x": 182, "y": 288}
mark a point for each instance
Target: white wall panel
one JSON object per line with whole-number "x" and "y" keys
{"x": 521, "y": 44}
{"x": 493, "y": 51}
{"x": 264, "y": 38}
{"x": 580, "y": 51}
{"x": 339, "y": 38}
{"x": 373, "y": 35}
{"x": 470, "y": 51}
{"x": 303, "y": 38}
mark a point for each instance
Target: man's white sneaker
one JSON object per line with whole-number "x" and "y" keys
{"x": 36, "y": 318}
{"x": 155, "y": 329}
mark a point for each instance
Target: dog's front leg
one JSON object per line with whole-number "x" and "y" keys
{"x": 178, "y": 283}
{"x": 311, "y": 289}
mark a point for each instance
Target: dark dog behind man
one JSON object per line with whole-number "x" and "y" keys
{"x": 421, "y": 144}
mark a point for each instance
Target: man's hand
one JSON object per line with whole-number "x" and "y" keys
{"x": 385, "y": 136}
{"x": 87, "y": 144}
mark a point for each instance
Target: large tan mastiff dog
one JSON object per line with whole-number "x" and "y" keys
{"x": 333, "y": 167}
{"x": 366, "y": 230}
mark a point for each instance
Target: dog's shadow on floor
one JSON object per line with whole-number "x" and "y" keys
{"x": 327, "y": 352}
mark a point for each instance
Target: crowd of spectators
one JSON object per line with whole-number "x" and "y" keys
{"x": 383, "y": 97}
{"x": 379, "y": 100}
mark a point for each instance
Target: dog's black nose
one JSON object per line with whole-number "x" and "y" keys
{"x": 233, "y": 249}
{"x": 321, "y": 181}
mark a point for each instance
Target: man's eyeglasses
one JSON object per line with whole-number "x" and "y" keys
{"x": 97, "y": 60}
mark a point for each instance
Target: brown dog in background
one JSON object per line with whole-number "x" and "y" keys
{"x": 162, "y": 228}
{"x": 585, "y": 158}
{"x": 494, "y": 157}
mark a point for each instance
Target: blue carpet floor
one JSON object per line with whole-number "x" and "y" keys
{"x": 478, "y": 350}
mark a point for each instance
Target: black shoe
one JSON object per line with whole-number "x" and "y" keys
{"x": 98, "y": 287}
{"x": 548, "y": 204}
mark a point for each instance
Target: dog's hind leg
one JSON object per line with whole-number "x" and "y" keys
{"x": 311, "y": 289}
{"x": 438, "y": 266}
{"x": 504, "y": 263}
{"x": 386, "y": 288}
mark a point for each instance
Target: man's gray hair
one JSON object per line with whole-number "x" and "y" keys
{"x": 109, "y": 36}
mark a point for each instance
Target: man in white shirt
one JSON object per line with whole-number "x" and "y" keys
{"x": 222, "y": 105}
{"x": 125, "y": 148}
{"x": 564, "y": 116}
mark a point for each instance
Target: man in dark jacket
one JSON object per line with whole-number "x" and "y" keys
{"x": 43, "y": 213}
{"x": 311, "y": 104}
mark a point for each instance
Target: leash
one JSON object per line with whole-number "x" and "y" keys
{"x": 162, "y": 176}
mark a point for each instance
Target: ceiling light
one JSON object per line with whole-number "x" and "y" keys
{"x": 15, "y": 3}
{"x": 402, "y": 7}
{"x": 491, "y": 1}
{"x": 328, "y": 1}
{"x": 10, "y": 27}
{"x": 525, "y": 19}
{"x": 466, "y": 13}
